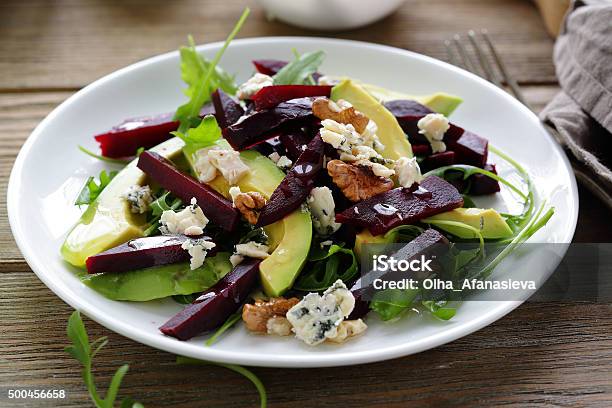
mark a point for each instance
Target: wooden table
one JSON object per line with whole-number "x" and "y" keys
{"x": 545, "y": 354}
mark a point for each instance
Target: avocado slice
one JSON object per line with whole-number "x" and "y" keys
{"x": 160, "y": 281}
{"x": 439, "y": 102}
{"x": 289, "y": 238}
{"x": 366, "y": 237}
{"x": 389, "y": 131}
{"x": 108, "y": 221}
{"x": 488, "y": 221}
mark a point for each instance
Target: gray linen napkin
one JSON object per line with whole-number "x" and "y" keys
{"x": 581, "y": 114}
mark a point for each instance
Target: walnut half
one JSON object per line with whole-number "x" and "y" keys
{"x": 263, "y": 316}
{"x": 324, "y": 108}
{"x": 357, "y": 182}
{"x": 249, "y": 205}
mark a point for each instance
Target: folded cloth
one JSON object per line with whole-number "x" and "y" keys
{"x": 581, "y": 114}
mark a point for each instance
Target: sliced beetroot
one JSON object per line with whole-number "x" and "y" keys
{"x": 429, "y": 243}
{"x": 215, "y": 305}
{"x": 408, "y": 113}
{"x": 140, "y": 253}
{"x": 469, "y": 149}
{"x": 125, "y": 139}
{"x": 270, "y": 96}
{"x": 216, "y": 207}
{"x": 227, "y": 110}
{"x": 482, "y": 185}
{"x": 438, "y": 160}
{"x": 294, "y": 141}
{"x": 269, "y": 66}
{"x": 406, "y": 107}
{"x": 296, "y": 185}
{"x": 402, "y": 206}
{"x": 261, "y": 125}
{"x": 421, "y": 149}
{"x": 269, "y": 146}
{"x": 272, "y": 66}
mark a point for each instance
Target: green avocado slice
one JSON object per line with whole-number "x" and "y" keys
{"x": 160, "y": 281}
{"x": 490, "y": 223}
{"x": 439, "y": 102}
{"x": 289, "y": 238}
{"x": 108, "y": 221}
{"x": 389, "y": 131}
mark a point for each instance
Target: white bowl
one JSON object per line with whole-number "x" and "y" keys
{"x": 329, "y": 14}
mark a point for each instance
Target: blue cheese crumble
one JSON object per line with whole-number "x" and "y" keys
{"x": 321, "y": 204}
{"x": 189, "y": 221}
{"x": 433, "y": 126}
{"x": 197, "y": 249}
{"x": 317, "y": 318}
{"x": 139, "y": 198}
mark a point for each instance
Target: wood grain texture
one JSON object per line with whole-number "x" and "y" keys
{"x": 69, "y": 43}
{"x": 540, "y": 354}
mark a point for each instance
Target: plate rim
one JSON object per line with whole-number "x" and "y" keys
{"x": 210, "y": 353}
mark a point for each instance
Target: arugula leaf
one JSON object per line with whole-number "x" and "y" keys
{"x": 232, "y": 320}
{"x": 91, "y": 190}
{"x": 263, "y": 397}
{"x": 205, "y": 134}
{"x": 185, "y": 299}
{"x": 84, "y": 352}
{"x": 517, "y": 222}
{"x": 468, "y": 171}
{"x": 324, "y": 270}
{"x": 201, "y": 86}
{"x": 103, "y": 158}
{"x": 439, "y": 309}
{"x": 390, "y": 303}
{"x": 194, "y": 66}
{"x": 299, "y": 70}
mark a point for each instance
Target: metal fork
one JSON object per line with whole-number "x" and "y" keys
{"x": 477, "y": 59}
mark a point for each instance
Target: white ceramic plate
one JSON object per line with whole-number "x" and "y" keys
{"x": 49, "y": 172}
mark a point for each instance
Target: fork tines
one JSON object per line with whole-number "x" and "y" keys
{"x": 482, "y": 60}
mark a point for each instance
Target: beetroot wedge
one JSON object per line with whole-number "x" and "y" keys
{"x": 430, "y": 242}
{"x": 269, "y": 66}
{"x": 261, "y": 125}
{"x": 408, "y": 113}
{"x": 402, "y": 206}
{"x": 482, "y": 185}
{"x": 272, "y": 66}
{"x": 214, "y": 205}
{"x": 125, "y": 139}
{"x": 421, "y": 149}
{"x": 227, "y": 110}
{"x": 215, "y": 305}
{"x": 296, "y": 185}
{"x": 140, "y": 253}
{"x": 476, "y": 184}
{"x": 294, "y": 142}
{"x": 270, "y": 96}
{"x": 469, "y": 149}
{"x": 438, "y": 160}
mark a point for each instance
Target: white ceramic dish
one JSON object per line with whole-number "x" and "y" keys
{"x": 49, "y": 172}
{"x": 332, "y": 15}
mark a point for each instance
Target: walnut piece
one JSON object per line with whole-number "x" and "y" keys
{"x": 357, "y": 182}
{"x": 256, "y": 316}
{"x": 324, "y": 108}
{"x": 249, "y": 205}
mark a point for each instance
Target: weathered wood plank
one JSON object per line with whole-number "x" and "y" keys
{"x": 545, "y": 354}
{"x": 68, "y": 43}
